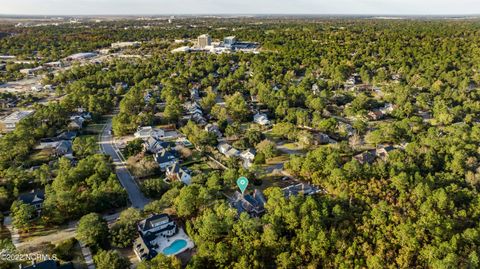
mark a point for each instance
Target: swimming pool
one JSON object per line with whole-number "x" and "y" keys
{"x": 175, "y": 247}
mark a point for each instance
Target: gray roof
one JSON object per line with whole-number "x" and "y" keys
{"x": 164, "y": 156}
{"x": 32, "y": 198}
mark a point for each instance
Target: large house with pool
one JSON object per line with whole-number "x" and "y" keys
{"x": 160, "y": 234}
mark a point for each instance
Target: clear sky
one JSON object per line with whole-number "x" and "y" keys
{"x": 158, "y": 7}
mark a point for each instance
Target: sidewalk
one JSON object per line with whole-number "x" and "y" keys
{"x": 87, "y": 255}
{"x": 13, "y": 231}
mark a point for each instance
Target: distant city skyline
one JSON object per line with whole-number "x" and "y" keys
{"x": 163, "y": 7}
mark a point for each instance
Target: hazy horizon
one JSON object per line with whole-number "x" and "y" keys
{"x": 245, "y": 7}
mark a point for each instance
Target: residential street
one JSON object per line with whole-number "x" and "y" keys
{"x": 107, "y": 145}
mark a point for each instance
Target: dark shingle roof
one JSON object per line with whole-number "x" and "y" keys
{"x": 28, "y": 198}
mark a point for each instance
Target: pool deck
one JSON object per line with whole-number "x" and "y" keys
{"x": 165, "y": 242}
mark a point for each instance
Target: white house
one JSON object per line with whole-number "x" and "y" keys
{"x": 232, "y": 152}
{"x": 223, "y": 147}
{"x": 149, "y": 131}
{"x": 153, "y": 145}
{"x": 175, "y": 172}
{"x": 76, "y": 122}
{"x": 261, "y": 119}
{"x": 248, "y": 156}
{"x": 213, "y": 128}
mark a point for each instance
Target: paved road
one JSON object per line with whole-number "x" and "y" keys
{"x": 108, "y": 146}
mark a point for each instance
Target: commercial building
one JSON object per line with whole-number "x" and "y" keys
{"x": 229, "y": 41}
{"x": 81, "y": 56}
{"x": 119, "y": 45}
{"x": 204, "y": 40}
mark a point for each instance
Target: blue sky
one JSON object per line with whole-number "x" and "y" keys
{"x": 95, "y": 7}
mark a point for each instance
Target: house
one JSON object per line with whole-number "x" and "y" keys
{"x": 315, "y": 89}
{"x": 120, "y": 85}
{"x": 70, "y": 135}
{"x": 48, "y": 264}
{"x": 176, "y": 172}
{"x": 48, "y": 87}
{"x": 247, "y": 156}
{"x": 232, "y": 152}
{"x": 261, "y": 119}
{"x": 252, "y": 204}
{"x": 47, "y": 143}
{"x": 81, "y": 56}
{"x": 425, "y": 115}
{"x": 34, "y": 198}
{"x": 353, "y": 80}
{"x": 348, "y": 128}
{"x": 57, "y": 64}
{"x": 36, "y": 88}
{"x": 148, "y": 131}
{"x": 301, "y": 188}
{"x": 165, "y": 158}
{"x": 181, "y": 49}
{"x": 76, "y": 122}
{"x": 194, "y": 94}
{"x": 193, "y": 107}
{"x": 125, "y": 44}
{"x": 223, "y": 147}
{"x": 160, "y": 225}
{"x": 9, "y": 123}
{"x": 64, "y": 148}
{"x": 31, "y": 71}
{"x": 160, "y": 234}
{"x": 384, "y": 151}
{"x": 228, "y": 150}
{"x": 376, "y": 114}
{"x": 321, "y": 139}
{"x": 388, "y": 108}
{"x": 213, "y": 128}
{"x": 154, "y": 145}
{"x": 147, "y": 96}
{"x": 143, "y": 249}
{"x": 198, "y": 119}
{"x": 365, "y": 157}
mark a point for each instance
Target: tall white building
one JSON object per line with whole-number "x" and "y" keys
{"x": 204, "y": 40}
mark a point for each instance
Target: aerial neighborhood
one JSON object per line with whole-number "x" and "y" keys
{"x": 239, "y": 142}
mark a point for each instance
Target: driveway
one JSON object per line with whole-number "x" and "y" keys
{"x": 108, "y": 147}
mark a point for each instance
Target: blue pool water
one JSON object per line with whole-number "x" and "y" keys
{"x": 176, "y": 246}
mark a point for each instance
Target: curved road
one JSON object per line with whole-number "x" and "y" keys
{"x": 108, "y": 146}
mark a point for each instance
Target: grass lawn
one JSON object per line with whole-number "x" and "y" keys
{"x": 201, "y": 167}
{"x": 292, "y": 146}
{"x": 278, "y": 159}
{"x": 40, "y": 230}
{"x": 94, "y": 128}
{"x": 40, "y": 156}
{"x": 274, "y": 181}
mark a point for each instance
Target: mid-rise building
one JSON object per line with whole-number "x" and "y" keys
{"x": 204, "y": 40}
{"x": 229, "y": 41}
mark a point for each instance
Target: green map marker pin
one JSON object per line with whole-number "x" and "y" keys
{"x": 242, "y": 183}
